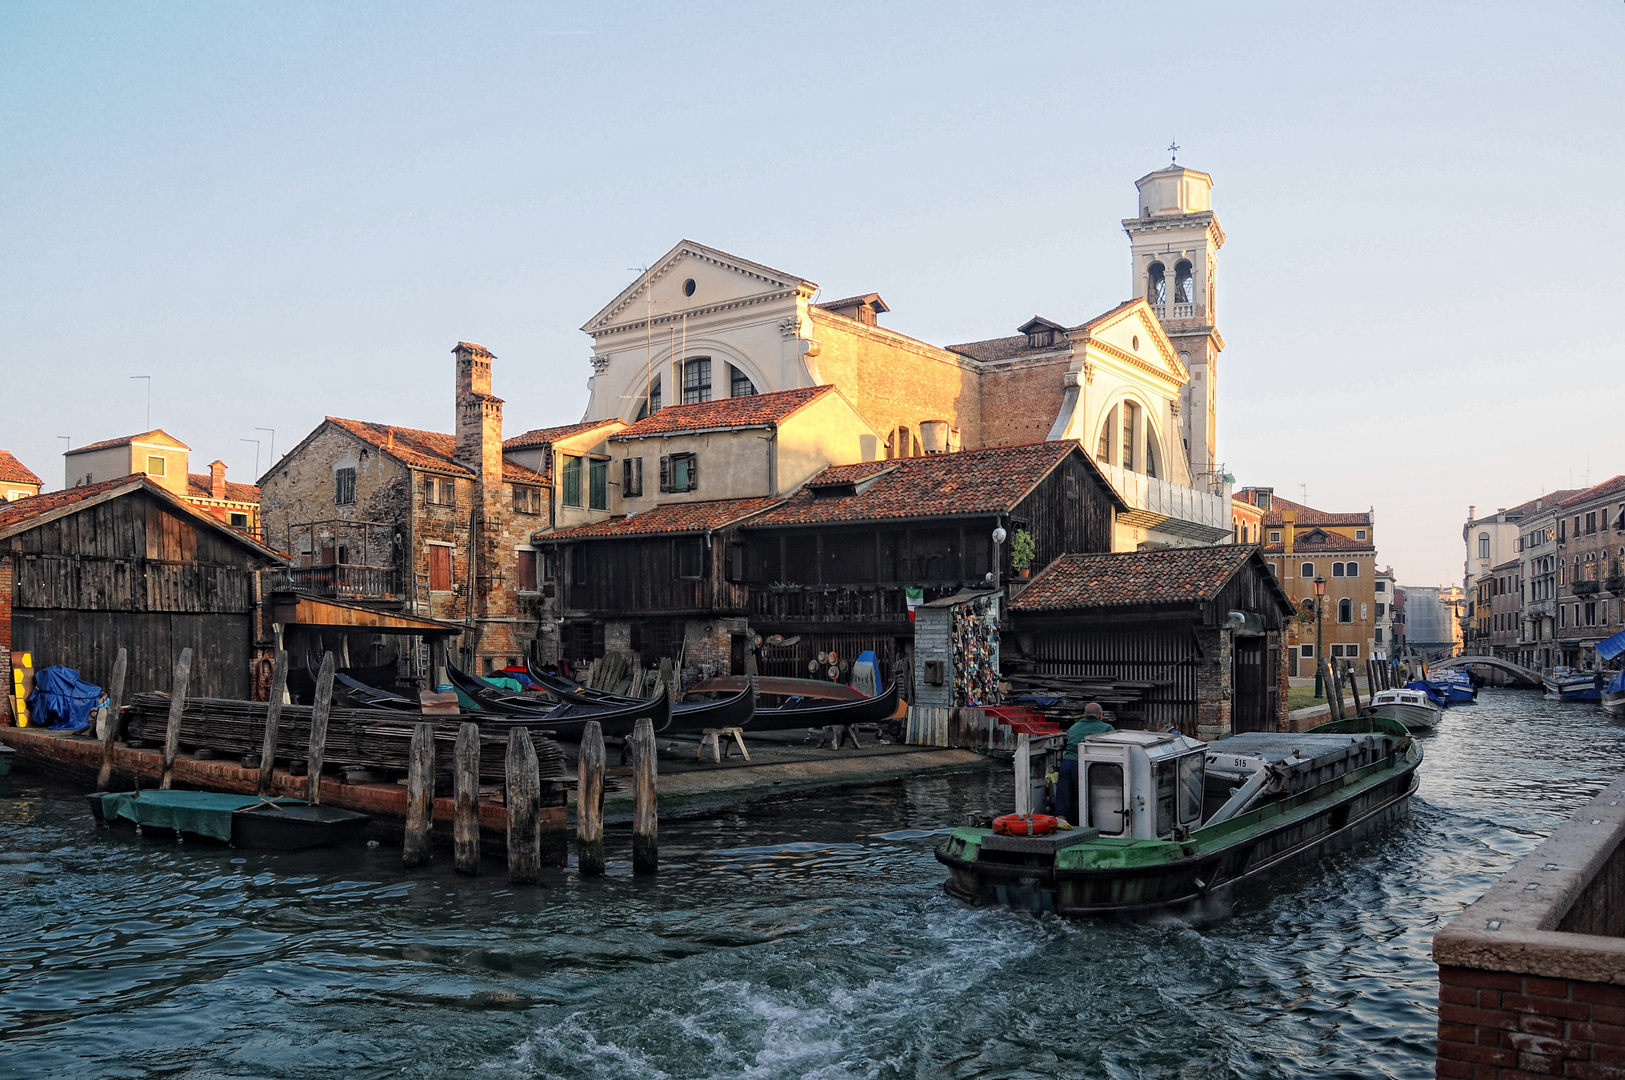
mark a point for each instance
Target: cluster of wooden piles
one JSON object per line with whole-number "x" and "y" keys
{"x": 621, "y": 672}
{"x": 379, "y": 739}
{"x": 1123, "y": 698}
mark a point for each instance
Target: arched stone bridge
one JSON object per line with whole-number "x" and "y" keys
{"x": 1518, "y": 672}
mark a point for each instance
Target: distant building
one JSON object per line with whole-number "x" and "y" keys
{"x": 1590, "y": 556}
{"x": 17, "y": 481}
{"x": 1302, "y": 544}
{"x": 1432, "y": 620}
{"x": 164, "y": 459}
{"x": 1384, "y": 641}
{"x": 1505, "y": 609}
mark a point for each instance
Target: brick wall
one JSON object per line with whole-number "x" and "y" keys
{"x": 1214, "y": 683}
{"x": 1502, "y": 1026}
{"x": 1020, "y": 401}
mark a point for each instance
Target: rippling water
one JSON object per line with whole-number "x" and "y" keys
{"x": 802, "y": 936}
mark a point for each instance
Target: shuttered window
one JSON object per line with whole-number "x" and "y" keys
{"x": 344, "y": 486}
{"x": 571, "y": 474}
{"x": 439, "y": 568}
{"x": 632, "y": 478}
{"x": 598, "y": 484}
{"x": 679, "y": 472}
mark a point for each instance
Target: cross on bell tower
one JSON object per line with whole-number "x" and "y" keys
{"x": 1174, "y": 249}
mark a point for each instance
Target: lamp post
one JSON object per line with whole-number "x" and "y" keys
{"x": 1320, "y": 654}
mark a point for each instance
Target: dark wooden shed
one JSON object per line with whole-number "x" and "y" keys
{"x": 124, "y": 563}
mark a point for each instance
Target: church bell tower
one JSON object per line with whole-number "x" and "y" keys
{"x": 1175, "y": 244}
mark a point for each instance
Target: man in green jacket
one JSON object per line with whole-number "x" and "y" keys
{"x": 1066, "y": 783}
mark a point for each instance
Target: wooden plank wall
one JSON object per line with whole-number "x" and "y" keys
{"x": 88, "y": 641}
{"x": 1162, "y": 653}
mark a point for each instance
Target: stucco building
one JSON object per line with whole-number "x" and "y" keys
{"x": 166, "y": 461}
{"x": 17, "y": 481}
{"x": 1590, "y": 558}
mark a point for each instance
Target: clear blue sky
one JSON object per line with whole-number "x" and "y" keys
{"x": 285, "y": 211}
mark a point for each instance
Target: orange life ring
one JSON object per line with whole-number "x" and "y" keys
{"x": 1025, "y": 824}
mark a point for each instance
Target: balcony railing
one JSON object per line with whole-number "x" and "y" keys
{"x": 837, "y": 603}
{"x": 1586, "y": 588}
{"x": 337, "y": 580}
{"x": 1181, "y": 506}
{"x": 1184, "y": 311}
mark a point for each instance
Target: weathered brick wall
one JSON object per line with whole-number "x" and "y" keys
{"x": 1020, "y": 401}
{"x": 1213, "y": 683}
{"x": 1501, "y": 1026}
{"x": 303, "y": 490}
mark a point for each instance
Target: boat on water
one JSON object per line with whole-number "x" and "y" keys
{"x": 1169, "y": 822}
{"x": 1448, "y": 687}
{"x": 1566, "y": 684}
{"x": 6, "y": 754}
{"x": 238, "y": 820}
{"x": 1613, "y": 697}
{"x": 1413, "y": 707}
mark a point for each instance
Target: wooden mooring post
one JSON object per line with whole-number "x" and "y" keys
{"x": 419, "y": 796}
{"x": 466, "y": 793}
{"x": 523, "y": 799}
{"x": 590, "y": 800}
{"x": 115, "y": 698}
{"x": 273, "y": 720}
{"x": 645, "y": 819}
{"x": 177, "y": 705}
{"x": 318, "y": 730}
{"x": 1354, "y": 687}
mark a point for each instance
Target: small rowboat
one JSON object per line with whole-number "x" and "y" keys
{"x": 1413, "y": 708}
{"x": 238, "y": 820}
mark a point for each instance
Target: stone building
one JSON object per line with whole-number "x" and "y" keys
{"x": 1385, "y": 639}
{"x": 1505, "y": 614}
{"x": 17, "y": 481}
{"x": 422, "y": 522}
{"x": 1302, "y": 544}
{"x": 1135, "y": 385}
{"x": 1590, "y": 558}
{"x": 165, "y": 460}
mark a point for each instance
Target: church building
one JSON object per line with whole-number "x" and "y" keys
{"x": 1135, "y": 385}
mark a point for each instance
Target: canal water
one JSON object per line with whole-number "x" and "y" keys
{"x": 803, "y": 936}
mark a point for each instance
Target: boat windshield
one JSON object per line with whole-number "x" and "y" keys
{"x": 1191, "y": 768}
{"x": 1167, "y": 782}
{"x": 1105, "y": 780}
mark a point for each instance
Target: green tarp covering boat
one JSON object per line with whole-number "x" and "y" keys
{"x": 241, "y": 820}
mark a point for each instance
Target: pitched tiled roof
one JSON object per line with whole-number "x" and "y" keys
{"x": 1605, "y": 490}
{"x": 1162, "y": 576}
{"x": 518, "y": 474}
{"x": 198, "y": 487}
{"x": 546, "y": 435}
{"x": 684, "y": 517}
{"x": 15, "y": 513}
{"x": 127, "y": 440}
{"x": 755, "y": 410}
{"x": 476, "y": 348}
{"x": 1320, "y": 540}
{"x": 1003, "y": 348}
{"x": 433, "y": 450}
{"x": 1307, "y": 516}
{"x": 872, "y": 299}
{"x": 973, "y": 482}
{"x": 14, "y": 471}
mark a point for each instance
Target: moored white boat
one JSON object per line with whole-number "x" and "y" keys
{"x": 1413, "y": 708}
{"x": 1565, "y": 684}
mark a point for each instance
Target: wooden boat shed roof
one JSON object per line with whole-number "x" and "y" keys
{"x": 1163, "y": 578}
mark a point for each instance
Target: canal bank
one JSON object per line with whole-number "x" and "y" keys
{"x": 804, "y": 934}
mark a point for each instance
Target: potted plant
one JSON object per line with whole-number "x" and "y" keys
{"x": 1022, "y": 550}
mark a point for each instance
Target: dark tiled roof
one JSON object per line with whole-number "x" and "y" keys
{"x": 973, "y": 482}
{"x": 15, "y": 513}
{"x": 15, "y": 472}
{"x": 1318, "y": 540}
{"x": 198, "y": 487}
{"x": 1004, "y": 348}
{"x": 1164, "y": 576}
{"x": 419, "y": 449}
{"x": 1605, "y": 490}
{"x": 125, "y": 441}
{"x": 546, "y": 435}
{"x": 684, "y": 517}
{"x": 476, "y": 348}
{"x": 755, "y": 410}
{"x": 1308, "y": 516}
{"x": 872, "y": 299}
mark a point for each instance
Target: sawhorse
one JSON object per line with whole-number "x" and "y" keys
{"x": 717, "y": 740}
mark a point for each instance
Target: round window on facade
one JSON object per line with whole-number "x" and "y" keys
{"x": 688, "y": 287}
{"x": 1136, "y": 342}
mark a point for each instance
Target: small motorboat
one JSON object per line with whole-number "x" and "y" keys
{"x": 1613, "y": 697}
{"x": 1566, "y": 684}
{"x": 1168, "y": 822}
{"x": 1413, "y": 708}
{"x": 238, "y": 820}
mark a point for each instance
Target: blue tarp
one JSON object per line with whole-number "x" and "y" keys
{"x": 1617, "y": 685}
{"x": 61, "y": 701}
{"x": 1612, "y": 647}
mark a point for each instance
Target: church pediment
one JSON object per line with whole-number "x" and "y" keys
{"x": 1132, "y": 334}
{"x": 692, "y": 278}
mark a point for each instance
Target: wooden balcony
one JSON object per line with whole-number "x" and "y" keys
{"x": 340, "y": 581}
{"x": 838, "y": 604}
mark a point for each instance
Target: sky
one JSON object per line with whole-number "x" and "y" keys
{"x": 285, "y": 211}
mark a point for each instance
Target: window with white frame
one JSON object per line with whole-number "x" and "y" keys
{"x": 1306, "y": 570}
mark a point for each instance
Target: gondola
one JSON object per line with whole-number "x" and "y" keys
{"x": 805, "y": 712}
{"x": 492, "y": 700}
{"x": 358, "y": 695}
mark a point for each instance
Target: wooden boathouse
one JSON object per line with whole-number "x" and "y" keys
{"x": 1201, "y": 628}
{"x": 124, "y": 563}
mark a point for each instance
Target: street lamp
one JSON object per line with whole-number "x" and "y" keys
{"x": 1320, "y": 654}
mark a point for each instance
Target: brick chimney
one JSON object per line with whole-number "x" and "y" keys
{"x": 479, "y": 415}
{"x": 1289, "y": 523}
{"x": 217, "y": 480}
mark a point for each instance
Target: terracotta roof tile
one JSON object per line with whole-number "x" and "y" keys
{"x": 973, "y": 482}
{"x": 872, "y": 299}
{"x": 518, "y": 474}
{"x": 15, "y": 513}
{"x": 755, "y": 410}
{"x": 476, "y": 348}
{"x": 544, "y": 436}
{"x": 1307, "y": 516}
{"x": 683, "y": 517}
{"x": 125, "y": 440}
{"x": 1004, "y": 348}
{"x": 198, "y": 487}
{"x": 1317, "y": 540}
{"x": 1162, "y": 576}
{"x": 14, "y": 471}
{"x": 432, "y": 450}
{"x": 1605, "y": 490}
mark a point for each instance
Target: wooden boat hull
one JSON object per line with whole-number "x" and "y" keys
{"x": 285, "y": 827}
{"x": 1414, "y": 717}
{"x": 1321, "y": 826}
{"x": 1613, "y": 704}
{"x": 687, "y": 717}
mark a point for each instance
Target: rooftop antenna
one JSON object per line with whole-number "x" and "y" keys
{"x": 149, "y": 397}
{"x": 649, "y": 337}
{"x": 1304, "y": 488}
{"x": 69, "y": 439}
{"x": 271, "y": 455}
{"x": 1173, "y": 152}
{"x": 256, "y": 443}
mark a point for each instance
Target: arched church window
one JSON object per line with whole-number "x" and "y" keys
{"x": 1184, "y": 283}
{"x": 1103, "y": 449}
{"x": 1156, "y": 284}
{"x": 696, "y": 380}
{"x": 1150, "y": 452}
{"x": 1129, "y": 411}
{"x": 651, "y": 399}
{"x": 740, "y": 385}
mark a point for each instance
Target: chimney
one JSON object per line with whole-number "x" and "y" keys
{"x": 1289, "y": 521}
{"x": 217, "y": 480}
{"x": 479, "y": 418}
